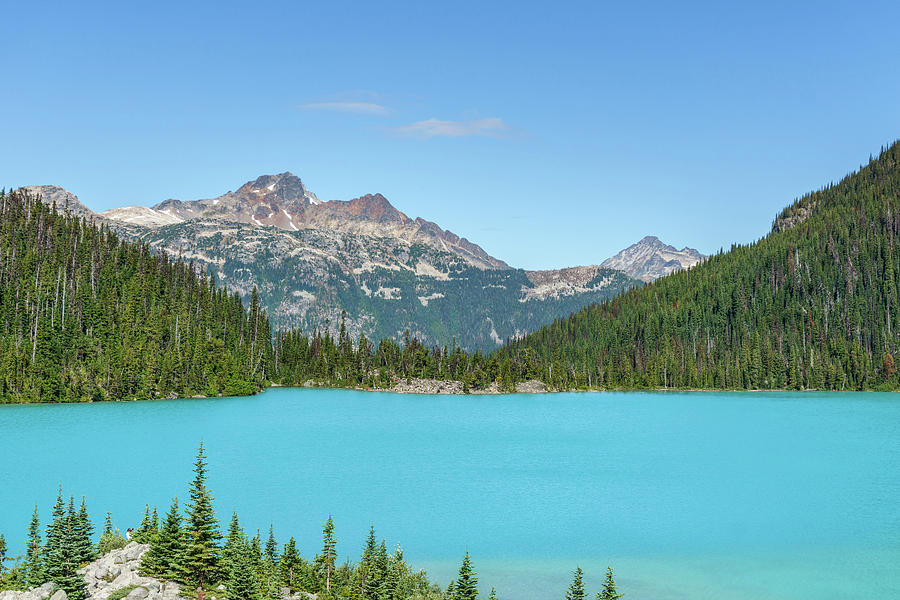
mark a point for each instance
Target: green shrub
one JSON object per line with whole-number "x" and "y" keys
{"x": 111, "y": 541}
{"x": 121, "y": 592}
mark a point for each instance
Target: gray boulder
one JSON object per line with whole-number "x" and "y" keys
{"x": 138, "y": 593}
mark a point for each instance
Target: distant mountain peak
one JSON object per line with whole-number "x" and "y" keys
{"x": 282, "y": 201}
{"x": 650, "y": 258}
{"x": 285, "y": 187}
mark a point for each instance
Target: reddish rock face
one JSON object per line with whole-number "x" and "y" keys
{"x": 374, "y": 207}
{"x": 284, "y": 202}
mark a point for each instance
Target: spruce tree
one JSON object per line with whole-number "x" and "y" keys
{"x": 82, "y": 532}
{"x": 467, "y": 582}
{"x": 271, "y": 546}
{"x": 165, "y": 557}
{"x": 367, "y": 565}
{"x": 329, "y": 551}
{"x": 493, "y": 594}
{"x": 290, "y": 563}
{"x": 34, "y": 568}
{"x": 63, "y": 550}
{"x": 609, "y": 591}
{"x": 270, "y": 564}
{"x": 107, "y": 524}
{"x": 576, "y": 589}
{"x": 56, "y": 531}
{"x": 201, "y": 558}
{"x": 232, "y": 541}
{"x": 145, "y": 531}
{"x": 242, "y": 581}
{"x": 380, "y": 583}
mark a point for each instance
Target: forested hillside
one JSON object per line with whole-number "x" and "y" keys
{"x": 811, "y": 305}
{"x": 86, "y": 316}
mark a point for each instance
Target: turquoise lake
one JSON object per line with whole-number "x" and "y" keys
{"x": 685, "y": 495}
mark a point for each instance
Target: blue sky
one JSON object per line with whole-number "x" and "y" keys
{"x": 553, "y": 134}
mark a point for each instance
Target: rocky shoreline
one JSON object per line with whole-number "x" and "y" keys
{"x": 418, "y": 385}
{"x": 117, "y": 574}
{"x": 114, "y": 572}
{"x": 435, "y": 386}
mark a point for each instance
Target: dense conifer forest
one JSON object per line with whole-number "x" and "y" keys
{"x": 86, "y": 316}
{"x": 812, "y": 305}
{"x": 189, "y": 546}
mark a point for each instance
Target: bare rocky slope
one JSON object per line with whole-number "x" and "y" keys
{"x": 313, "y": 260}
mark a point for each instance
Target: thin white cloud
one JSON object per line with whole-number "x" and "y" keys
{"x": 490, "y": 127}
{"x": 360, "y": 108}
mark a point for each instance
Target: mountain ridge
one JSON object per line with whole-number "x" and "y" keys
{"x": 312, "y": 260}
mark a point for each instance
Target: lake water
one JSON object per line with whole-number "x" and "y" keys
{"x": 686, "y": 495}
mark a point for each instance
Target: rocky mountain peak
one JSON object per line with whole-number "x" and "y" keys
{"x": 285, "y": 187}
{"x": 651, "y": 258}
{"x": 64, "y": 200}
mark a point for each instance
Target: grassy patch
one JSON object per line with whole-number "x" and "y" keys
{"x": 122, "y": 592}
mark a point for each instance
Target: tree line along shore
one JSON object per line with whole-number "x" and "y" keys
{"x": 86, "y": 316}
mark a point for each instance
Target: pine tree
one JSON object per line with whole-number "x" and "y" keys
{"x": 107, "y": 524}
{"x": 576, "y": 589}
{"x": 609, "y": 587}
{"x": 201, "y": 558}
{"x": 165, "y": 557}
{"x": 329, "y": 551}
{"x": 467, "y": 582}
{"x": 290, "y": 563}
{"x": 493, "y": 594}
{"x": 34, "y": 568}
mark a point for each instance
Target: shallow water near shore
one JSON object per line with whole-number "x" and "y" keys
{"x": 687, "y": 495}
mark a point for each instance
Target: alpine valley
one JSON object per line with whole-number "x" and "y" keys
{"x": 363, "y": 262}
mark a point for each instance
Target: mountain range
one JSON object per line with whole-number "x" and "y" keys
{"x": 364, "y": 262}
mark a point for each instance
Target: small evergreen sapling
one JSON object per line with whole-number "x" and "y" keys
{"x": 467, "y": 582}
{"x": 576, "y": 589}
{"x": 609, "y": 591}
